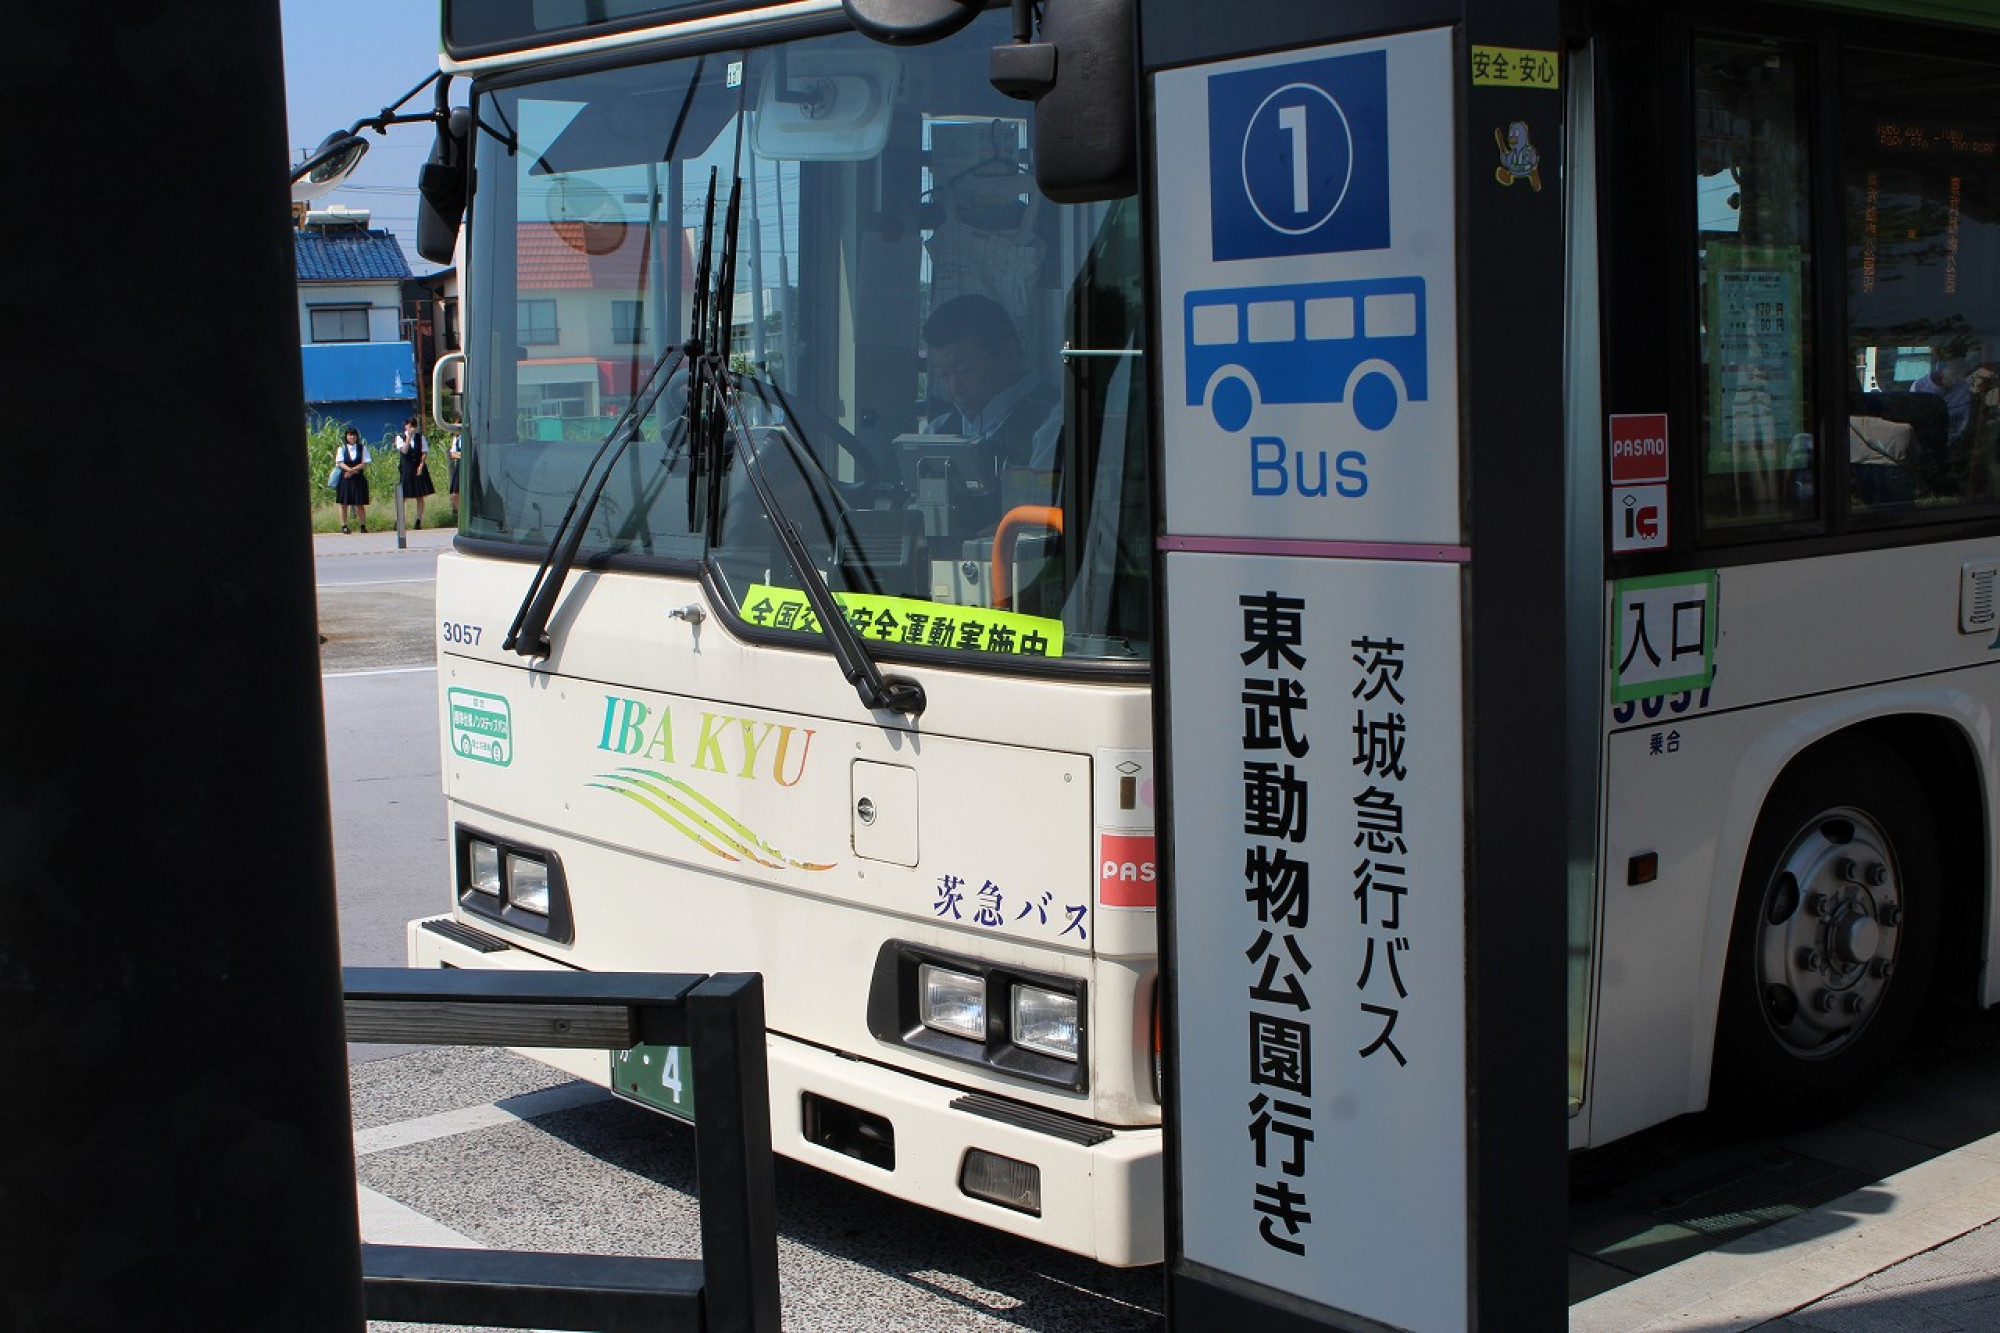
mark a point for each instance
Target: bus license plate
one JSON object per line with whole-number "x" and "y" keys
{"x": 661, "y": 1077}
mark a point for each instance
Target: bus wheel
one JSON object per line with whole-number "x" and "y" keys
{"x": 1375, "y": 400}
{"x": 1834, "y": 940}
{"x": 1232, "y": 402}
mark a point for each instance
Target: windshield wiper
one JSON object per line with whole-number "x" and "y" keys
{"x": 529, "y": 634}
{"x": 713, "y": 409}
{"x": 898, "y": 694}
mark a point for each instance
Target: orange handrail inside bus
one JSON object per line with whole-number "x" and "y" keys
{"x": 1004, "y": 537}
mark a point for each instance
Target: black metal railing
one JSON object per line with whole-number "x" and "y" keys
{"x": 733, "y": 1287}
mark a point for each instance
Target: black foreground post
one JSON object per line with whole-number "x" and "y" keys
{"x": 175, "y": 1105}
{"x": 733, "y": 1287}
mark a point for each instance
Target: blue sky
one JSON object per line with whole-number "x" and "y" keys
{"x": 345, "y": 59}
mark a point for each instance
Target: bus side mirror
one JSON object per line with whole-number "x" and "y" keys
{"x": 329, "y": 166}
{"x": 442, "y": 187}
{"x": 910, "y": 22}
{"x": 1079, "y": 76}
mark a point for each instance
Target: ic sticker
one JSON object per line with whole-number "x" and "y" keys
{"x": 1126, "y": 874}
{"x": 1299, "y": 158}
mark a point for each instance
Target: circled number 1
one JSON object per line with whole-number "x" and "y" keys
{"x": 1292, "y": 120}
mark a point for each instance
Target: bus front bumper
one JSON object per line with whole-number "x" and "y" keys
{"x": 1100, "y": 1187}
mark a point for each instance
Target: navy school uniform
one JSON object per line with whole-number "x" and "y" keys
{"x": 416, "y": 477}
{"x": 352, "y": 490}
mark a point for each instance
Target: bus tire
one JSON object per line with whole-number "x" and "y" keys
{"x": 1834, "y": 939}
{"x": 1232, "y": 400}
{"x": 1374, "y": 399}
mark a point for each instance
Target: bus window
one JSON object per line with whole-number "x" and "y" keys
{"x": 1328, "y": 318}
{"x": 1923, "y": 286}
{"x": 1758, "y": 462}
{"x": 1271, "y": 322}
{"x": 1391, "y": 316}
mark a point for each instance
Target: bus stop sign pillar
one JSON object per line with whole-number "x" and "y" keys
{"x": 1358, "y": 386}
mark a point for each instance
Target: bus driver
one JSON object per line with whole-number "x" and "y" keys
{"x": 975, "y": 365}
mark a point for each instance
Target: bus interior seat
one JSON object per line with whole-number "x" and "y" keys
{"x": 1924, "y": 413}
{"x": 1897, "y": 446}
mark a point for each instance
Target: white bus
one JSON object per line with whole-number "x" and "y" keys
{"x": 932, "y": 833}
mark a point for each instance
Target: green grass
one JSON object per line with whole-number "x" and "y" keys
{"x": 382, "y": 516}
{"x": 323, "y": 439}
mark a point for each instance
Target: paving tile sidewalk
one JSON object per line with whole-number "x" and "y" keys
{"x": 1954, "y": 1288}
{"x": 1916, "y": 1252}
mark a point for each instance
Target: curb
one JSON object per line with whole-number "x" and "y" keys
{"x": 1783, "y": 1268}
{"x": 327, "y": 544}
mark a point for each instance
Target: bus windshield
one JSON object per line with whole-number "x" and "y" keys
{"x": 938, "y": 368}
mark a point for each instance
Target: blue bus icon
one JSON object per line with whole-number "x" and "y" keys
{"x": 1359, "y": 343}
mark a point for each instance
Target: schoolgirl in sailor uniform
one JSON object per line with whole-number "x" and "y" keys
{"x": 416, "y": 475}
{"x": 350, "y": 489}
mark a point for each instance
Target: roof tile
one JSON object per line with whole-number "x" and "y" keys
{"x": 348, "y": 254}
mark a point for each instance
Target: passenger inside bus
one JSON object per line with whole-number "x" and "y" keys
{"x": 1929, "y": 440}
{"x": 1951, "y": 381}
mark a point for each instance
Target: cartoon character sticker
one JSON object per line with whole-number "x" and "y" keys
{"x": 1518, "y": 158}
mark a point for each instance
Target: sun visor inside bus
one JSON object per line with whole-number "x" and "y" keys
{"x": 638, "y": 126}
{"x": 826, "y": 106}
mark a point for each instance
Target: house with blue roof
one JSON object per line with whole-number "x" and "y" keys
{"x": 360, "y": 368}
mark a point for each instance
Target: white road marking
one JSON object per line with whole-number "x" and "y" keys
{"x": 376, "y": 671}
{"x": 386, "y": 1222}
{"x": 375, "y": 583}
{"x": 467, "y": 1119}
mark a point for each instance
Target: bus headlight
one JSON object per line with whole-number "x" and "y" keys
{"x": 1007, "y": 1020}
{"x": 516, "y": 884}
{"x": 1045, "y": 1021}
{"x": 953, "y": 1002}
{"x": 528, "y": 884}
{"x": 482, "y": 871}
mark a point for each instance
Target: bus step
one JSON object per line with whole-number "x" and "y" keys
{"x": 460, "y": 933}
{"x": 1065, "y": 1127}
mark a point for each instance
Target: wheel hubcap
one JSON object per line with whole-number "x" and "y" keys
{"x": 1828, "y": 933}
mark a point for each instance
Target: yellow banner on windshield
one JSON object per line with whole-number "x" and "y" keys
{"x": 911, "y": 621}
